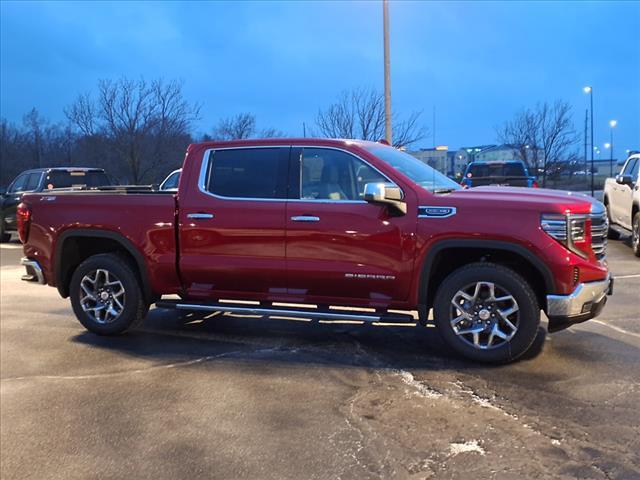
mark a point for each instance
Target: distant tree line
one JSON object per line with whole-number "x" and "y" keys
{"x": 139, "y": 131}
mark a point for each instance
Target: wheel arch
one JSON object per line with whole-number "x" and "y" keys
{"x": 76, "y": 245}
{"x": 445, "y": 256}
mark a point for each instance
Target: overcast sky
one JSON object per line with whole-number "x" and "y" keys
{"x": 476, "y": 62}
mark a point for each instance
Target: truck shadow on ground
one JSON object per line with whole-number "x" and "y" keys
{"x": 167, "y": 335}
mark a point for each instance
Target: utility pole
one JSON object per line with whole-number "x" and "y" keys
{"x": 387, "y": 74}
{"x": 589, "y": 89}
{"x": 586, "y": 120}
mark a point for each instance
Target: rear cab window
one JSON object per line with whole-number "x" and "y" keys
{"x": 508, "y": 169}
{"x": 75, "y": 178}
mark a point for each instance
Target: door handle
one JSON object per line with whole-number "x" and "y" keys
{"x": 200, "y": 216}
{"x": 305, "y": 218}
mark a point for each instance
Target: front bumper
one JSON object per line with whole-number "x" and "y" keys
{"x": 584, "y": 303}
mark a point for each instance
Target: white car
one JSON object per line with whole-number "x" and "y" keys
{"x": 622, "y": 199}
{"x": 171, "y": 182}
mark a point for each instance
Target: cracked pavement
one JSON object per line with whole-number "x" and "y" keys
{"x": 229, "y": 396}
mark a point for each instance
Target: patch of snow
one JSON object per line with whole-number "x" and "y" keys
{"x": 420, "y": 387}
{"x": 471, "y": 446}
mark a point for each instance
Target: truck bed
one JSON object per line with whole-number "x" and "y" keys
{"x": 146, "y": 219}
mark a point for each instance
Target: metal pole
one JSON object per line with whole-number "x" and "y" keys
{"x": 611, "y": 153}
{"x": 387, "y": 74}
{"x": 592, "y": 146}
{"x": 586, "y": 121}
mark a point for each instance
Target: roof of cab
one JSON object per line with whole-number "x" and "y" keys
{"x": 252, "y": 142}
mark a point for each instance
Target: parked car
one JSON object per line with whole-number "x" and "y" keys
{"x": 171, "y": 182}
{"x": 354, "y": 230}
{"x": 510, "y": 173}
{"x": 622, "y": 200}
{"x": 44, "y": 179}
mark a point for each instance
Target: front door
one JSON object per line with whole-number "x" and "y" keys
{"x": 341, "y": 249}
{"x": 232, "y": 225}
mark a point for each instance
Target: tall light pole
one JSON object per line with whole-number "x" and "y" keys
{"x": 589, "y": 90}
{"x": 612, "y": 125}
{"x": 387, "y": 74}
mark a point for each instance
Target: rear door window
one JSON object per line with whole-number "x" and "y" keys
{"x": 249, "y": 173}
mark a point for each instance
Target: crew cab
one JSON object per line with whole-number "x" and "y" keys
{"x": 622, "y": 200}
{"x": 511, "y": 173}
{"x": 325, "y": 229}
{"x": 40, "y": 179}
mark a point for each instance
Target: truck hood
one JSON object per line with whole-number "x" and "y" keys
{"x": 520, "y": 198}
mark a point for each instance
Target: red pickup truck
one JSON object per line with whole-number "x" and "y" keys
{"x": 333, "y": 229}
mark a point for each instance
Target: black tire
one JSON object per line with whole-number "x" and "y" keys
{"x": 504, "y": 280}
{"x": 134, "y": 307}
{"x": 612, "y": 234}
{"x": 635, "y": 234}
{"x": 4, "y": 237}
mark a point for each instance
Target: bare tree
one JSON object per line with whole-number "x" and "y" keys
{"x": 34, "y": 124}
{"x": 238, "y": 127}
{"x": 359, "y": 114}
{"x": 542, "y": 134}
{"x": 143, "y": 122}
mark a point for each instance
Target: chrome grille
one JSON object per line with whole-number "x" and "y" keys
{"x": 599, "y": 229}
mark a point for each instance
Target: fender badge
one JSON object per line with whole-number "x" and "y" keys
{"x": 436, "y": 212}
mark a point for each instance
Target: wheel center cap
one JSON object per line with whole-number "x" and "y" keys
{"x": 104, "y": 295}
{"x": 484, "y": 314}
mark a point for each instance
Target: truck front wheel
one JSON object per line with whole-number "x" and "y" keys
{"x": 106, "y": 296}
{"x": 487, "y": 313}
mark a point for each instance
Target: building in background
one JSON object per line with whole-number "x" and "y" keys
{"x": 449, "y": 162}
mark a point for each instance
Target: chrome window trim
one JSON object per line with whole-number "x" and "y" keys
{"x": 206, "y": 160}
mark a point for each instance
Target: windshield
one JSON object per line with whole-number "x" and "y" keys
{"x": 77, "y": 178}
{"x": 421, "y": 173}
{"x": 514, "y": 169}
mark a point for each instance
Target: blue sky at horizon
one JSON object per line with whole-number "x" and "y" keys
{"x": 476, "y": 62}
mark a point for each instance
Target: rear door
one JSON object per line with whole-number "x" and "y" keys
{"x": 232, "y": 224}
{"x": 341, "y": 249}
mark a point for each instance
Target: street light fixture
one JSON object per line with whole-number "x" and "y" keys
{"x": 588, "y": 89}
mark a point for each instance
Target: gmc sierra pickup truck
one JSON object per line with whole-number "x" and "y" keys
{"x": 325, "y": 229}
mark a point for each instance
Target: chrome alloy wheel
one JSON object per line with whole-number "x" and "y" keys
{"x": 635, "y": 234}
{"x": 484, "y": 315}
{"x": 102, "y": 296}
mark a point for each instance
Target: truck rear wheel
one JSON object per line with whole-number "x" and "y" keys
{"x": 106, "y": 296}
{"x": 487, "y": 313}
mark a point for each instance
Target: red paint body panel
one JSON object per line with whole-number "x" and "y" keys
{"x": 147, "y": 221}
{"x": 356, "y": 254}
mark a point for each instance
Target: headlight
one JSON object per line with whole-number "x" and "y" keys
{"x": 572, "y": 230}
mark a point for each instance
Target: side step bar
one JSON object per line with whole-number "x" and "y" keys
{"x": 314, "y": 313}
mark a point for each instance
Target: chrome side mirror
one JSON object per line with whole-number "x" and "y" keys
{"x": 387, "y": 194}
{"x": 624, "y": 180}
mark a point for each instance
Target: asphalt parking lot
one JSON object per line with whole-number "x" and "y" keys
{"x": 222, "y": 396}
